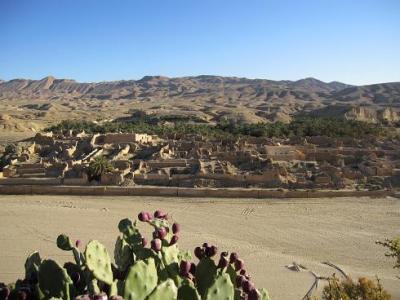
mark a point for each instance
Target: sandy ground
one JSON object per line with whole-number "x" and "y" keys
{"x": 268, "y": 234}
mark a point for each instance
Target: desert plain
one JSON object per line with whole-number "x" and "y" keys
{"x": 268, "y": 234}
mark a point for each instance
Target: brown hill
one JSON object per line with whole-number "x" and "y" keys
{"x": 210, "y": 98}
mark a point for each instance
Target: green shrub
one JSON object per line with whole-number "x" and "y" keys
{"x": 363, "y": 289}
{"x": 98, "y": 166}
{"x": 393, "y": 247}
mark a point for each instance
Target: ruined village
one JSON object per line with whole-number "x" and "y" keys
{"x": 316, "y": 162}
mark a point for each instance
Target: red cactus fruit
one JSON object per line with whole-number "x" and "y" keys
{"x": 211, "y": 251}
{"x": 78, "y": 243}
{"x": 184, "y": 268}
{"x": 223, "y": 262}
{"x": 116, "y": 298}
{"x": 161, "y": 233}
{"x": 233, "y": 257}
{"x": 156, "y": 245}
{"x": 199, "y": 252}
{"x": 224, "y": 254}
{"x": 22, "y": 295}
{"x": 144, "y": 242}
{"x": 254, "y": 295}
{"x": 239, "y": 264}
{"x": 192, "y": 268}
{"x": 176, "y": 228}
{"x": 160, "y": 214}
{"x": 4, "y": 293}
{"x": 247, "y": 286}
{"x": 143, "y": 216}
{"x": 239, "y": 281}
{"x": 174, "y": 240}
{"x": 101, "y": 296}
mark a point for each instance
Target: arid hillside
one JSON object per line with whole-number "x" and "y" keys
{"x": 28, "y": 105}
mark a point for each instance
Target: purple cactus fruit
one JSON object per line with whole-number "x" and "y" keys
{"x": 83, "y": 297}
{"x": 239, "y": 281}
{"x": 206, "y": 245}
{"x": 22, "y": 295}
{"x": 223, "y": 262}
{"x": 149, "y": 216}
{"x": 254, "y": 295}
{"x": 224, "y": 254}
{"x": 192, "y": 268}
{"x": 76, "y": 277}
{"x": 143, "y": 216}
{"x": 101, "y": 296}
{"x": 191, "y": 278}
{"x": 174, "y": 240}
{"x": 199, "y": 252}
{"x": 233, "y": 257}
{"x": 247, "y": 286}
{"x": 184, "y": 268}
{"x": 116, "y": 297}
{"x": 243, "y": 272}
{"x": 211, "y": 251}
{"x": 156, "y": 245}
{"x": 144, "y": 242}
{"x": 239, "y": 264}
{"x": 4, "y": 293}
{"x": 161, "y": 233}
{"x": 160, "y": 214}
{"x": 176, "y": 228}
{"x": 78, "y": 243}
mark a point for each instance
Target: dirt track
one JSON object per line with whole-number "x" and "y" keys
{"x": 268, "y": 234}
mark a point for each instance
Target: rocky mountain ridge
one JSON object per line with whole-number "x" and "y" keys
{"x": 209, "y": 98}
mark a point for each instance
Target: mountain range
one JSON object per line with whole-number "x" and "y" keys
{"x": 37, "y": 103}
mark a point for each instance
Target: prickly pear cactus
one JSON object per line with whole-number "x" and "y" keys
{"x": 205, "y": 274}
{"x": 142, "y": 270}
{"x": 98, "y": 261}
{"x": 123, "y": 255}
{"x": 165, "y": 291}
{"x": 222, "y": 288}
{"x": 54, "y": 280}
{"x": 141, "y": 280}
{"x": 264, "y": 294}
{"x": 188, "y": 291}
{"x": 32, "y": 264}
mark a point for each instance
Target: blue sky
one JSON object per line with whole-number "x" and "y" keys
{"x": 354, "y": 41}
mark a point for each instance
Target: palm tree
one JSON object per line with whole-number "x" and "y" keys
{"x": 98, "y": 166}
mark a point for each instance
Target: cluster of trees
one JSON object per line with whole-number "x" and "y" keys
{"x": 307, "y": 126}
{"x": 332, "y": 127}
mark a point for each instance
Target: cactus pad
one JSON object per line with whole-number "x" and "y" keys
{"x": 264, "y": 294}
{"x": 32, "y": 264}
{"x": 98, "y": 261}
{"x": 188, "y": 292}
{"x": 123, "y": 255}
{"x": 167, "y": 290}
{"x": 54, "y": 280}
{"x": 141, "y": 280}
{"x": 205, "y": 274}
{"x": 64, "y": 243}
{"x": 222, "y": 289}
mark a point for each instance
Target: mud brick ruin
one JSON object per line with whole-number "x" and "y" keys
{"x": 193, "y": 161}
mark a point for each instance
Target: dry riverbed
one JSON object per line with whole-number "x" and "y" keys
{"x": 267, "y": 234}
